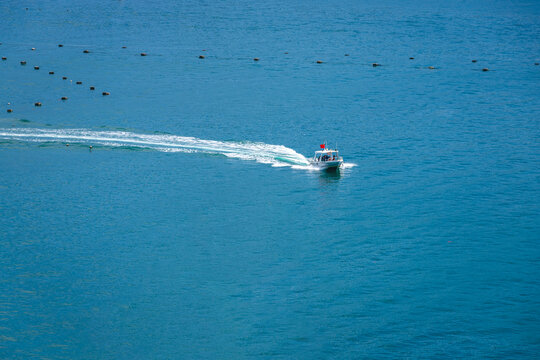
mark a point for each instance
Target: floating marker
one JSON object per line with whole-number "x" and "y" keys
{"x": 123, "y": 47}
{"x": 4, "y": 58}
{"x": 37, "y": 104}
{"x": 473, "y": 61}
{"x": 33, "y": 49}
{"x": 51, "y": 72}
{"x": 64, "y": 77}
{"x": 376, "y": 64}
{"x": 485, "y": 69}
{"x": 92, "y": 88}
{"x": 201, "y": 56}
{"x": 79, "y": 82}
{"x": 319, "y": 62}
{"x": 9, "y": 110}
{"x": 64, "y": 98}
{"x": 86, "y": 51}
{"x": 60, "y": 45}
{"x": 23, "y": 62}
{"x": 36, "y": 67}
{"x": 105, "y": 93}
{"x": 431, "y": 67}
{"x": 144, "y": 54}
{"x": 255, "y": 59}
{"x": 411, "y": 58}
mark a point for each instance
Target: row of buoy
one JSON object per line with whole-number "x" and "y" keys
{"x": 63, "y": 98}
{"x": 86, "y": 51}
{"x": 123, "y": 47}
{"x": 373, "y": 64}
{"x": 105, "y": 93}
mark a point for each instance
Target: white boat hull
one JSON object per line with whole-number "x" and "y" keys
{"x": 330, "y": 165}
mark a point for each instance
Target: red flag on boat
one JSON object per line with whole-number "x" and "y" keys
{"x": 322, "y": 146}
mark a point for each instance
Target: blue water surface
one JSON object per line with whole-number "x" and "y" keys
{"x": 211, "y": 239}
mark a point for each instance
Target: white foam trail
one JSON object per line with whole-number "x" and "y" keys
{"x": 276, "y": 155}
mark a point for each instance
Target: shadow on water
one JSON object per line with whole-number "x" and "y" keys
{"x": 329, "y": 177}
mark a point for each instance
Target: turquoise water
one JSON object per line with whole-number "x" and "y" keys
{"x": 194, "y": 227}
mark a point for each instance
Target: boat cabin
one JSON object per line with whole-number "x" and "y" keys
{"x": 326, "y": 155}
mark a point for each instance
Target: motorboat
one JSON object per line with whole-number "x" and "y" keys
{"x": 327, "y": 159}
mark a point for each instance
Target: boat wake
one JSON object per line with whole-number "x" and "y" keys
{"x": 275, "y": 155}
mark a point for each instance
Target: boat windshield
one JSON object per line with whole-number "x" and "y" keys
{"x": 327, "y": 155}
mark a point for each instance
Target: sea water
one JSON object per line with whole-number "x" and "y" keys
{"x": 178, "y": 217}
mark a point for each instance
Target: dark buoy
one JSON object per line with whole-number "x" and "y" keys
{"x": 319, "y": 62}
{"x": 36, "y": 67}
{"x": 60, "y": 45}
{"x": 86, "y": 51}
{"x": 4, "y": 58}
{"x": 92, "y": 88}
{"x": 123, "y": 47}
{"x": 64, "y": 77}
{"x": 33, "y": 49}
{"x": 201, "y": 56}
{"x": 431, "y": 67}
{"x": 51, "y": 72}
{"x": 536, "y": 64}
{"x": 411, "y": 58}
{"x": 144, "y": 54}
{"x": 9, "y": 110}
{"x": 485, "y": 69}
{"x": 474, "y": 61}
{"x": 23, "y": 62}
{"x": 376, "y": 64}
{"x": 64, "y": 98}
{"x": 79, "y": 83}
{"x": 346, "y": 54}
{"x": 105, "y": 93}
{"x": 255, "y": 59}
{"x": 37, "y": 104}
